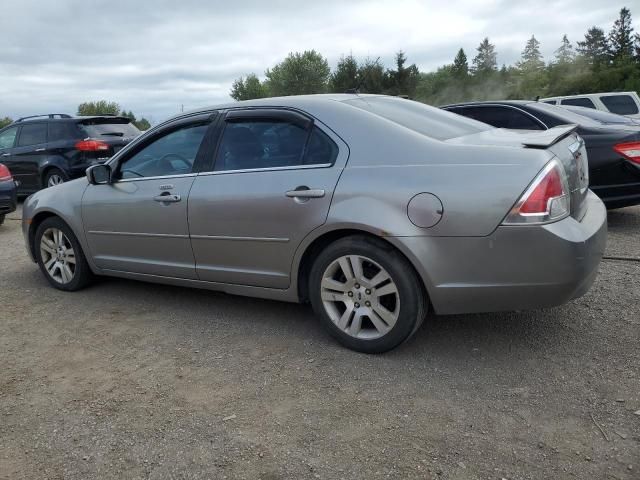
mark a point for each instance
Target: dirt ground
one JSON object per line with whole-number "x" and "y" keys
{"x": 133, "y": 380}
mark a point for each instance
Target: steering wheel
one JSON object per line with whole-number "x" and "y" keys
{"x": 165, "y": 164}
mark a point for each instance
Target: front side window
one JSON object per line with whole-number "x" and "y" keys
{"x": 33, "y": 134}
{"x": 620, "y": 104}
{"x": 578, "y": 102}
{"x": 171, "y": 154}
{"x": 7, "y": 138}
{"x": 272, "y": 143}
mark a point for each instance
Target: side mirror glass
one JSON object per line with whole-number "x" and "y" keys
{"x": 99, "y": 174}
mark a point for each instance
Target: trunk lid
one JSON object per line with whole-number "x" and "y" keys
{"x": 561, "y": 141}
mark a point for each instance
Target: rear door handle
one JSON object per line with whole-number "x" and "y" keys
{"x": 167, "y": 198}
{"x": 40, "y": 149}
{"x": 305, "y": 192}
{"x": 5, "y": 155}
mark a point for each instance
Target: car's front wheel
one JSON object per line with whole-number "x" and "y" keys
{"x": 366, "y": 294}
{"x": 60, "y": 256}
{"x": 1, "y": 219}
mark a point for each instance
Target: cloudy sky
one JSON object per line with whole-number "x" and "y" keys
{"x": 154, "y": 56}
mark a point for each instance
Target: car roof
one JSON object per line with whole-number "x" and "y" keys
{"x": 292, "y": 101}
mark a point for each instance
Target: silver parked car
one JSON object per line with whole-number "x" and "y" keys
{"x": 375, "y": 209}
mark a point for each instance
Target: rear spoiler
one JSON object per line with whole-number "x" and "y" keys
{"x": 549, "y": 137}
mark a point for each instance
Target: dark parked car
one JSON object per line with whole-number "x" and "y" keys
{"x": 7, "y": 193}
{"x": 603, "y": 117}
{"x": 613, "y": 150}
{"x": 45, "y": 150}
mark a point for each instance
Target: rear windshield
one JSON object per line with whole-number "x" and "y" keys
{"x": 421, "y": 118}
{"x": 620, "y": 104}
{"x": 560, "y": 115}
{"x": 109, "y": 127}
{"x": 603, "y": 117}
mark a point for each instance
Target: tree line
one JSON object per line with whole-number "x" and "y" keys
{"x": 598, "y": 62}
{"x": 101, "y": 107}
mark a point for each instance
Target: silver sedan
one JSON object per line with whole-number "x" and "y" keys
{"x": 374, "y": 209}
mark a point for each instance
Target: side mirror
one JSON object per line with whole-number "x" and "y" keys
{"x": 99, "y": 174}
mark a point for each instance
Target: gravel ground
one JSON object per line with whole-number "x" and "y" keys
{"x": 133, "y": 380}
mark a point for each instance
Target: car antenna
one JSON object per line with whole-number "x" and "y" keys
{"x": 365, "y": 77}
{"x": 537, "y": 98}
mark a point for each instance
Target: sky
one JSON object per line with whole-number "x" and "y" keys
{"x": 157, "y": 57}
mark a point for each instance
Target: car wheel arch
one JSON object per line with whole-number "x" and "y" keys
{"x": 316, "y": 246}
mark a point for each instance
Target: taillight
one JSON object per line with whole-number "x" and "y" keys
{"x": 547, "y": 198}
{"x": 5, "y": 174}
{"x": 91, "y": 146}
{"x": 629, "y": 150}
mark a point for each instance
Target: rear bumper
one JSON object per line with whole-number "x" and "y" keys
{"x": 8, "y": 197}
{"x": 516, "y": 267}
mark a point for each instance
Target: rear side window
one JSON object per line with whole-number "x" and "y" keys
{"x": 620, "y": 104}
{"x": 7, "y": 138}
{"x": 266, "y": 143}
{"x": 578, "y": 102}
{"x": 100, "y": 128}
{"x": 429, "y": 121}
{"x": 33, "y": 134}
{"x": 62, "y": 131}
{"x": 550, "y": 102}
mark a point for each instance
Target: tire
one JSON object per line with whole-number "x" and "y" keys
{"x": 57, "y": 251}
{"x": 377, "y": 305}
{"x": 54, "y": 176}
{"x": 1, "y": 219}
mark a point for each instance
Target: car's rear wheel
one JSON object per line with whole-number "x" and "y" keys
{"x": 1, "y": 219}
{"x": 54, "y": 177}
{"x": 366, "y": 294}
{"x": 60, "y": 256}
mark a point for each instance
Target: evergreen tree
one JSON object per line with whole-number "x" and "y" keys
{"x": 460, "y": 67}
{"x": 531, "y": 60}
{"x": 5, "y": 121}
{"x": 402, "y": 80}
{"x": 621, "y": 37}
{"x": 345, "y": 77}
{"x": 486, "y": 61}
{"x": 565, "y": 53}
{"x": 372, "y": 77}
{"x": 594, "y": 48}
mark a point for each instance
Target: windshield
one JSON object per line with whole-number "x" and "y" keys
{"x": 421, "y": 118}
{"x": 602, "y": 117}
{"x": 107, "y": 127}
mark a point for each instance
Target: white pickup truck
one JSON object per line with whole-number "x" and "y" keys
{"x": 622, "y": 103}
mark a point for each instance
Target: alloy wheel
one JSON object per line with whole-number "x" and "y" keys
{"x": 58, "y": 256}
{"x": 360, "y": 297}
{"x": 54, "y": 179}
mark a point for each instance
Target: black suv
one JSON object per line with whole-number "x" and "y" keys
{"x": 45, "y": 150}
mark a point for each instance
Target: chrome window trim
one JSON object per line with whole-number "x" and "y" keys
{"x": 159, "y": 177}
{"x": 268, "y": 169}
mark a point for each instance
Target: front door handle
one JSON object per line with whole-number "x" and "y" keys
{"x": 305, "y": 192}
{"x": 167, "y": 198}
{"x": 40, "y": 149}
{"x": 5, "y": 155}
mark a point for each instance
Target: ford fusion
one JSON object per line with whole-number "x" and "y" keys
{"x": 377, "y": 210}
